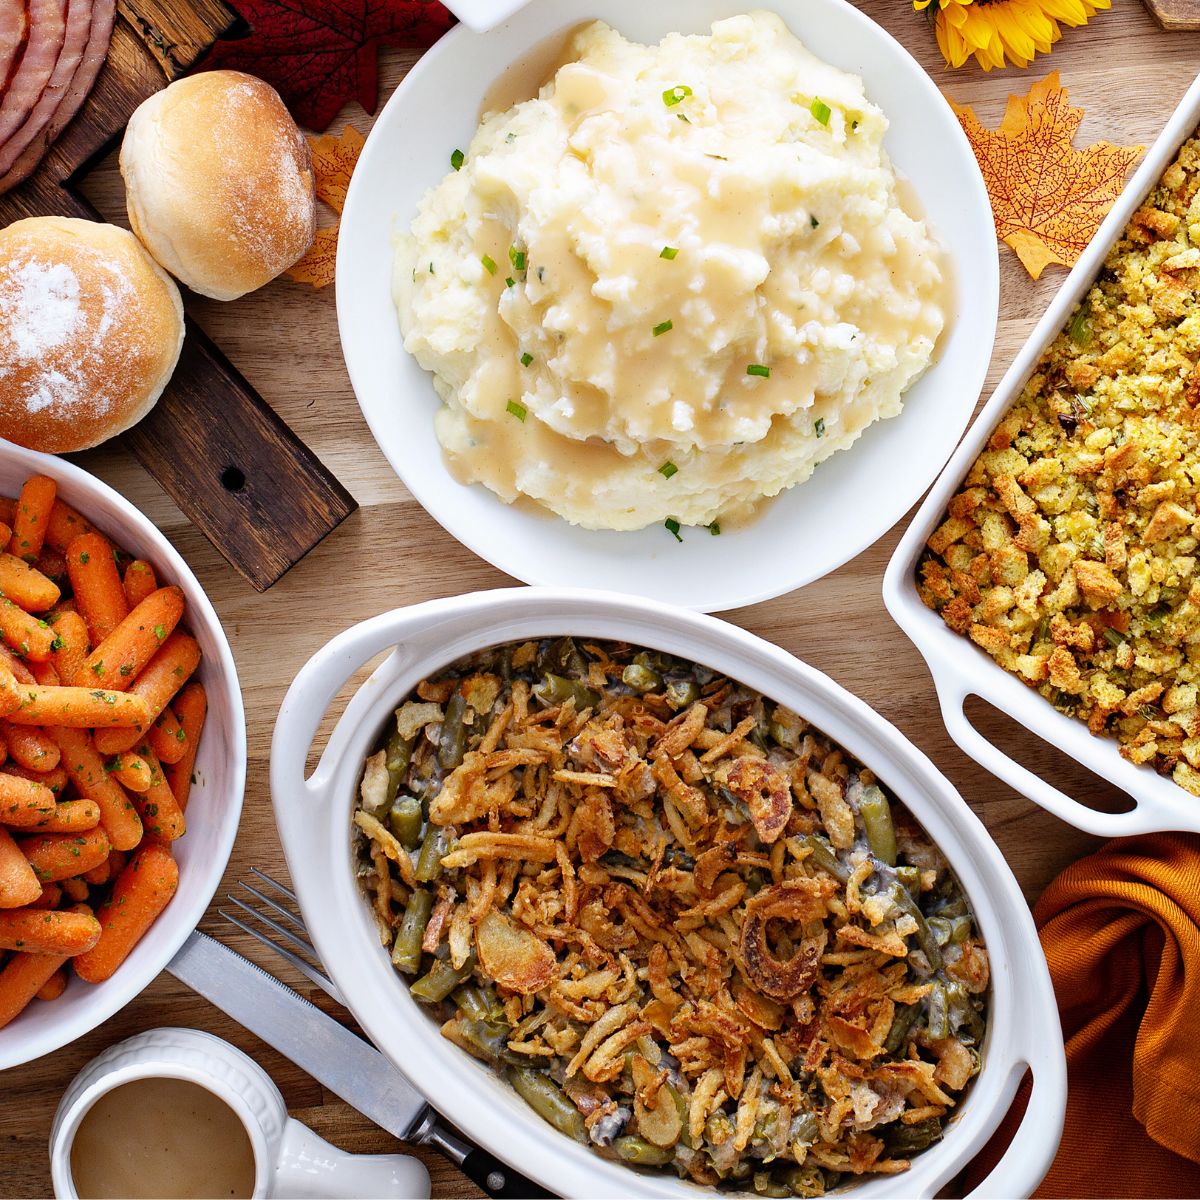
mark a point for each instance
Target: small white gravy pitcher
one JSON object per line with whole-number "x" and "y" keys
{"x": 290, "y": 1161}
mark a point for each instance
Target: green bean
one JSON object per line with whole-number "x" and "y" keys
{"x": 962, "y": 1012}
{"x": 641, "y": 679}
{"x": 804, "y": 1128}
{"x": 821, "y": 853}
{"x": 441, "y": 980}
{"x": 434, "y": 847}
{"x": 547, "y": 1099}
{"x": 804, "y": 1181}
{"x": 902, "y": 1022}
{"x": 940, "y": 927}
{"x": 406, "y": 952}
{"x": 718, "y": 1128}
{"x": 910, "y": 877}
{"x": 642, "y": 1153}
{"x": 452, "y": 741}
{"x": 398, "y": 755}
{"x": 682, "y": 693}
{"x": 479, "y": 1004}
{"x": 557, "y": 689}
{"x": 876, "y": 815}
{"x": 765, "y": 1184}
{"x": 405, "y": 819}
{"x": 490, "y": 1039}
{"x": 908, "y": 1139}
{"x": 938, "y": 1013}
{"x": 925, "y": 938}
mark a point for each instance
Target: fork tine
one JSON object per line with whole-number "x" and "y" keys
{"x": 276, "y": 928}
{"x": 279, "y": 887}
{"x": 287, "y": 915}
{"x": 309, "y": 972}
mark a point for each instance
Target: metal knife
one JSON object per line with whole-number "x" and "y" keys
{"x": 346, "y": 1064}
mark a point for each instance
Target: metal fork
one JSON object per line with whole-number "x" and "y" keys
{"x": 298, "y": 939}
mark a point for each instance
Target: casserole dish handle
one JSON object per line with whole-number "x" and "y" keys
{"x": 953, "y": 689}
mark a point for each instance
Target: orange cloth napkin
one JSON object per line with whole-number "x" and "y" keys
{"x": 1121, "y": 932}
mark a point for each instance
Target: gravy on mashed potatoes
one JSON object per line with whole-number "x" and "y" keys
{"x": 671, "y": 284}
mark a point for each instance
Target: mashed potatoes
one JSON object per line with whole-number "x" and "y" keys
{"x": 671, "y": 284}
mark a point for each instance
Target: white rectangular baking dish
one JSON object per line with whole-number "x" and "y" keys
{"x": 960, "y": 668}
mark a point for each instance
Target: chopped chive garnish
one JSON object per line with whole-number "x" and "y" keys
{"x": 759, "y": 370}
{"x": 668, "y": 469}
{"x": 517, "y": 410}
{"x": 814, "y": 222}
{"x": 517, "y": 258}
{"x": 489, "y": 264}
{"x": 672, "y": 526}
{"x": 665, "y": 327}
{"x": 669, "y": 252}
{"x": 510, "y": 282}
{"x": 431, "y": 270}
{"x": 526, "y": 359}
{"x": 683, "y": 118}
{"x": 715, "y": 529}
{"x": 820, "y": 427}
{"x": 820, "y": 110}
{"x": 672, "y": 96}
{"x": 457, "y": 159}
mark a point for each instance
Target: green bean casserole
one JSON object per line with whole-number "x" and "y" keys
{"x": 687, "y": 928}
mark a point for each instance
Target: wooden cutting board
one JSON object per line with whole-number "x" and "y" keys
{"x": 1175, "y": 14}
{"x": 213, "y": 444}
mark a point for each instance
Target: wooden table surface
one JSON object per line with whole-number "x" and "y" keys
{"x": 1122, "y": 69}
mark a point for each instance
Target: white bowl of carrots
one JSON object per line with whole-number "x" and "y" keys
{"x": 122, "y": 753}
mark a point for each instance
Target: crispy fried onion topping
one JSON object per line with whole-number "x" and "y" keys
{"x": 798, "y": 900}
{"x": 766, "y": 792}
{"x": 514, "y": 956}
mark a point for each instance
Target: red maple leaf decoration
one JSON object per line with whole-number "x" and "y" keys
{"x": 318, "y": 54}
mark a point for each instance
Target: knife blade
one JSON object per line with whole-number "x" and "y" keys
{"x": 347, "y": 1065}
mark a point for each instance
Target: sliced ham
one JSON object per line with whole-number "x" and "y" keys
{"x": 14, "y": 25}
{"x": 75, "y": 38}
{"x": 47, "y": 28}
{"x": 95, "y": 51}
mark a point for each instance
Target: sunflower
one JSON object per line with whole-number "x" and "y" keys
{"x": 991, "y": 29}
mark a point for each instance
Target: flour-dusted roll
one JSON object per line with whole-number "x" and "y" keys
{"x": 90, "y": 331}
{"x": 219, "y": 183}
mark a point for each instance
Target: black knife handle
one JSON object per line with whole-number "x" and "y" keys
{"x": 484, "y": 1170}
{"x": 497, "y": 1179}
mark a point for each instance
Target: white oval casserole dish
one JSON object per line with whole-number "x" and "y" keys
{"x": 853, "y": 498}
{"x": 314, "y": 819}
{"x": 959, "y": 668}
{"x": 215, "y": 805}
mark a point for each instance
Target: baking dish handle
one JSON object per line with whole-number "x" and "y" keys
{"x": 1147, "y": 816}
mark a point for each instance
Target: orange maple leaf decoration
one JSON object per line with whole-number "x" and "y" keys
{"x": 1048, "y": 198}
{"x": 334, "y": 159}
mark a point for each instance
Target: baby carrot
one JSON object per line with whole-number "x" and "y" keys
{"x": 59, "y": 856}
{"x": 81, "y": 708}
{"x": 19, "y": 885}
{"x": 75, "y": 888}
{"x": 25, "y": 975}
{"x": 53, "y": 565}
{"x": 24, "y": 633}
{"x": 140, "y": 893}
{"x": 44, "y": 673}
{"x": 131, "y": 771}
{"x": 23, "y": 803}
{"x": 31, "y": 517}
{"x": 70, "y": 646}
{"x": 29, "y": 747}
{"x": 166, "y": 737}
{"x": 55, "y": 779}
{"x": 162, "y": 677}
{"x": 64, "y": 526}
{"x": 86, "y": 768}
{"x": 118, "y": 660}
{"x": 5, "y": 534}
{"x": 161, "y": 815}
{"x": 15, "y": 667}
{"x": 192, "y": 706}
{"x": 139, "y": 581}
{"x": 96, "y": 584}
{"x": 108, "y": 870}
{"x": 54, "y": 986}
{"x": 38, "y": 932}
{"x": 51, "y": 897}
{"x": 25, "y": 585}
{"x": 71, "y": 816}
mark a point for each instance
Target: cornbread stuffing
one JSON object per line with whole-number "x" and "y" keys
{"x": 680, "y": 922}
{"x": 1069, "y": 554}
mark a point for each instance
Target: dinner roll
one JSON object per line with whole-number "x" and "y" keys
{"x": 219, "y": 182}
{"x": 90, "y": 331}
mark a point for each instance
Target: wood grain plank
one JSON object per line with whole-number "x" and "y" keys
{"x": 1128, "y": 76}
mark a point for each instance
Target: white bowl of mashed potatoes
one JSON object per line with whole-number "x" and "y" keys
{"x": 700, "y": 321}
